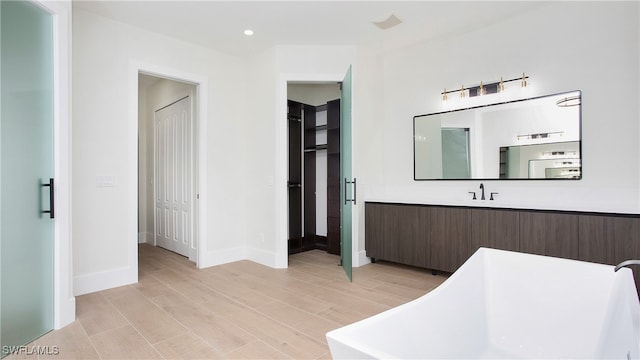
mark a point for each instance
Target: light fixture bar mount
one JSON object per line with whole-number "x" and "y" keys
{"x": 484, "y": 88}
{"x": 540, "y": 135}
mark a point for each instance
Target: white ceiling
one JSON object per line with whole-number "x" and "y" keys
{"x": 219, "y": 25}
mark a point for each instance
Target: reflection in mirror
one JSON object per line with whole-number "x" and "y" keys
{"x": 537, "y": 138}
{"x": 455, "y": 153}
{"x": 547, "y": 161}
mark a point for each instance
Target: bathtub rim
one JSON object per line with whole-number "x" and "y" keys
{"x": 337, "y": 336}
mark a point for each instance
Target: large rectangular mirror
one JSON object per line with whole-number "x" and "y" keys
{"x": 535, "y": 138}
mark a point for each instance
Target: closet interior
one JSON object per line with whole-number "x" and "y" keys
{"x": 314, "y": 167}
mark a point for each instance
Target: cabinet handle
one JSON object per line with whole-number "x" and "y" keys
{"x": 51, "y": 210}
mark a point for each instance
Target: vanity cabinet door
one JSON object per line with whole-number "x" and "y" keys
{"x": 497, "y": 229}
{"x": 397, "y": 233}
{"x": 374, "y": 229}
{"x": 390, "y": 230}
{"x": 412, "y": 235}
{"x": 609, "y": 239}
{"x": 450, "y": 237}
{"x": 551, "y": 234}
{"x": 381, "y": 231}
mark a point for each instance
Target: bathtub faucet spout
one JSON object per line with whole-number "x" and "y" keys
{"x": 626, "y": 263}
{"x": 482, "y": 188}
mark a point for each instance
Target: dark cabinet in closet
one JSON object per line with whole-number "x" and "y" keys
{"x": 294, "y": 119}
{"x": 333, "y": 177}
{"x": 310, "y": 146}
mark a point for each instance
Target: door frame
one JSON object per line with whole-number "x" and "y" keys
{"x": 282, "y": 159}
{"x": 201, "y": 84}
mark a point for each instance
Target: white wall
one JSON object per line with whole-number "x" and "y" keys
{"x": 259, "y": 161}
{"x": 601, "y": 59}
{"x": 105, "y": 144}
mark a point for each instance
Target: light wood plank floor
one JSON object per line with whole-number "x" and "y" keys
{"x": 237, "y": 310}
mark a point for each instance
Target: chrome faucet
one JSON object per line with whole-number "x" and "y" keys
{"x": 482, "y": 188}
{"x": 626, "y": 263}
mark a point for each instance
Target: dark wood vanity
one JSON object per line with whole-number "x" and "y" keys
{"x": 441, "y": 238}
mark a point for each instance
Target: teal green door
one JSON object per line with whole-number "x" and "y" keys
{"x": 26, "y": 158}
{"x": 348, "y": 188}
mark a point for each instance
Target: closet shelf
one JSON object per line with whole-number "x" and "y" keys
{"x": 316, "y": 148}
{"x": 316, "y": 128}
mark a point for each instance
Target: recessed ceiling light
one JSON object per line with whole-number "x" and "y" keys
{"x": 248, "y": 32}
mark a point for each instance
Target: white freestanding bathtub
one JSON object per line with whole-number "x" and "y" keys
{"x": 506, "y": 305}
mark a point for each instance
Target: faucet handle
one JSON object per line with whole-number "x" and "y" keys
{"x": 474, "y": 195}
{"x": 493, "y": 193}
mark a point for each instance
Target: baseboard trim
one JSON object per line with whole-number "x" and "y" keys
{"x": 361, "y": 259}
{"x": 263, "y": 257}
{"x": 66, "y": 313}
{"x": 88, "y": 283}
{"x": 220, "y": 257}
{"x": 145, "y": 238}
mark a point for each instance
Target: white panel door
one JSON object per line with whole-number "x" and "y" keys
{"x": 173, "y": 177}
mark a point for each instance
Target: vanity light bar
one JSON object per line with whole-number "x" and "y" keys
{"x": 560, "y": 153}
{"x": 540, "y": 135}
{"x": 563, "y": 158}
{"x": 484, "y": 89}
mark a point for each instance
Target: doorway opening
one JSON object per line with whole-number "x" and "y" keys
{"x": 168, "y": 164}
{"x": 313, "y": 123}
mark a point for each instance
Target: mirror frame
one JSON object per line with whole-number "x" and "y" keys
{"x": 502, "y": 103}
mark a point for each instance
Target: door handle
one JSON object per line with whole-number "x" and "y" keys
{"x": 355, "y": 187}
{"x": 354, "y": 191}
{"x": 345, "y": 191}
{"x": 51, "y": 210}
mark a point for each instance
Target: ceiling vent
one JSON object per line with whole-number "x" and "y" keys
{"x": 390, "y": 22}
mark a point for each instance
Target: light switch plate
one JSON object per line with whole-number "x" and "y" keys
{"x": 105, "y": 181}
